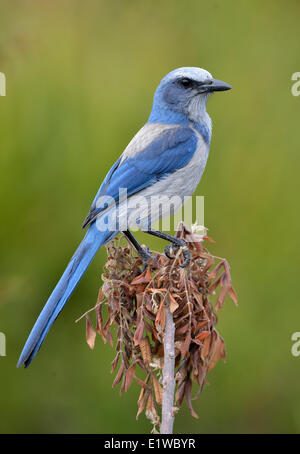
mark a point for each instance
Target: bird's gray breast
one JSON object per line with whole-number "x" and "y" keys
{"x": 183, "y": 182}
{"x": 166, "y": 196}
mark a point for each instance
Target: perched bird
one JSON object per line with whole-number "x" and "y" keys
{"x": 167, "y": 156}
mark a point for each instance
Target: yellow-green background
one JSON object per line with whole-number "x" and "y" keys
{"x": 80, "y": 81}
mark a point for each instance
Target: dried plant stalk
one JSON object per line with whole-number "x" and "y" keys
{"x": 148, "y": 308}
{"x": 167, "y": 413}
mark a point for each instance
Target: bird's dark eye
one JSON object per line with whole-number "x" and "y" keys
{"x": 186, "y": 83}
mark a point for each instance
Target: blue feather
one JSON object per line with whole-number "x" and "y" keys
{"x": 106, "y": 181}
{"x": 170, "y": 151}
{"x": 203, "y": 129}
{"x": 63, "y": 290}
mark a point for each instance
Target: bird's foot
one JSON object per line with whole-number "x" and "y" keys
{"x": 172, "y": 249}
{"x": 145, "y": 256}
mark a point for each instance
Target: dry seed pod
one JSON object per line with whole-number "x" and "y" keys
{"x": 146, "y": 351}
{"x": 158, "y": 391}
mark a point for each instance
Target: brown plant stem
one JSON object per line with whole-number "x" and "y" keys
{"x": 168, "y": 375}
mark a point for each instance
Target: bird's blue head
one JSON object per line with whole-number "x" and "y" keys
{"x": 182, "y": 95}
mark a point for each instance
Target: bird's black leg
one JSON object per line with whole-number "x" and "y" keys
{"x": 176, "y": 243}
{"x": 143, "y": 253}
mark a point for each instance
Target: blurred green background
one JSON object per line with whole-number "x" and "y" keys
{"x": 80, "y": 82}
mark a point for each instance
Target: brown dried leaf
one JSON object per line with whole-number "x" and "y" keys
{"x": 199, "y": 298}
{"x": 158, "y": 391}
{"x": 203, "y": 335}
{"x": 148, "y": 314}
{"x": 188, "y": 390}
{"x": 196, "y": 341}
{"x": 180, "y": 393}
{"x": 233, "y": 295}
{"x": 99, "y": 320}
{"x": 100, "y": 295}
{"x": 143, "y": 278}
{"x": 183, "y": 329}
{"x": 118, "y": 376}
{"x": 186, "y": 344}
{"x": 217, "y": 353}
{"x": 146, "y": 351}
{"x": 150, "y": 403}
{"x": 173, "y": 303}
{"x": 114, "y": 363}
{"x": 215, "y": 271}
{"x": 125, "y": 359}
{"x": 123, "y": 385}
{"x": 205, "y": 348}
{"x": 109, "y": 337}
{"x": 138, "y": 335}
{"x": 221, "y": 298}
{"x": 143, "y": 384}
{"x": 210, "y": 262}
{"x": 207, "y": 238}
{"x": 201, "y": 324}
{"x": 215, "y": 284}
{"x": 90, "y": 333}
{"x": 142, "y": 401}
{"x": 129, "y": 376}
{"x": 160, "y": 319}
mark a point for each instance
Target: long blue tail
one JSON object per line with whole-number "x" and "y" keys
{"x": 63, "y": 290}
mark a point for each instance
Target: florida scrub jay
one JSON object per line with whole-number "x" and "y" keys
{"x": 167, "y": 156}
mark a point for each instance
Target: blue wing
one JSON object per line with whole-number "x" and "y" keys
{"x": 168, "y": 152}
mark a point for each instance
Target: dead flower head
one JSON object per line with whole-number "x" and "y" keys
{"x": 136, "y": 307}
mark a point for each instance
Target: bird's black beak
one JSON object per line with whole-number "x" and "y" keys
{"x": 214, "y": 85}
{"x": 219, "y": 85}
